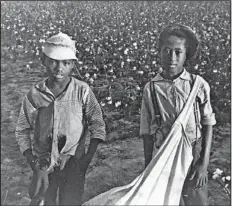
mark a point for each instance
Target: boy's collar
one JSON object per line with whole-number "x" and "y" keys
{"x": 42, "y": 85}
{"x": 185, "y": 76}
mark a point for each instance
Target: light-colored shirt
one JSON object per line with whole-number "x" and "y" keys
{"x": 171, "y": 98}
{"x": 70, "y": 114}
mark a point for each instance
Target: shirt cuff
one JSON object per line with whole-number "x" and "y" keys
{"x": 144, "y": 132}
{"x": 103, "y": 138}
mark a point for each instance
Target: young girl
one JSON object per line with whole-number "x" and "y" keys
{"x": 170, "y": 89}
{"x": 59, "y": 110}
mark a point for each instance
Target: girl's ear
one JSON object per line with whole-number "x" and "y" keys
{"x": 186, "y": 64}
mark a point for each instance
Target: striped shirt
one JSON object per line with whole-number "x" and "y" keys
{"x": 50, "y": 118}
{"x": 171, "y": 98}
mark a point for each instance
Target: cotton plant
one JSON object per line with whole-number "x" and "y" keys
{"x": 223, "y": 179}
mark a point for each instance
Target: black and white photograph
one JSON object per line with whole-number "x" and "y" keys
{"x": 116, "y": 103}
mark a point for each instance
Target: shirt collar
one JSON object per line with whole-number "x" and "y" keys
{"x": 185, "y": 76}
{"x": 43, "y": 88}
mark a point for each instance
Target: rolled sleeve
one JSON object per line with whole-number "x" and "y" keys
{"x": 94, "y": 115}
{"x": 145, "y": 114}
{"x": 209, "y": 120}
{"x": 207, "y": 115}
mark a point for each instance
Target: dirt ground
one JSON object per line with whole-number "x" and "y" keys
{"x": 115, "y": 163}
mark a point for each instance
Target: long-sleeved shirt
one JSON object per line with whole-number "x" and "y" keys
{"x": 69, "y": 115}
{"x": 171, "y": 98}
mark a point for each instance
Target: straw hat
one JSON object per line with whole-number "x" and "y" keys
{"x": 60, "y": 47}
{"x": 190, "y": 35}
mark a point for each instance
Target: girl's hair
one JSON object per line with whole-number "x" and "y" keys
{"x": 183, "y": 32}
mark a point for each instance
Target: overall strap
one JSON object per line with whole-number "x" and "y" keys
{"x": 155, "y": 104}
{"x": 196, "y": 113}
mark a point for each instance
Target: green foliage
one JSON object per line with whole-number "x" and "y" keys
{"x": 117, "y": 43}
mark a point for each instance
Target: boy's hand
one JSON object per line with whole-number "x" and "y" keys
{"x": 87, "y": 158}
{"x": 200, "y": 174}
{"x": 39, "y": 183}
{"x": 31, "y": 159}
{"x": 84, "y": 163}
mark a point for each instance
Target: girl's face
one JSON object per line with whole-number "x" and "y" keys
{"x": 58, "y": 70}
{"x": 173, "y": 55}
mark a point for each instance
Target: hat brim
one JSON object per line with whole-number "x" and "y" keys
{"x": 59, "y": 52}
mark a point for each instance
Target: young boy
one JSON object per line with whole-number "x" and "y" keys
{"x": 59, "y": 110}
{"x": 177, "y": 45}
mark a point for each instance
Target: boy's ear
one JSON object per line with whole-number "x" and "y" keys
{"x": 74, "y": 64}
{"x": 42, "y": 59}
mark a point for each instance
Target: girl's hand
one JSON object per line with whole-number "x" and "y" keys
{"x": 199, "y": 173}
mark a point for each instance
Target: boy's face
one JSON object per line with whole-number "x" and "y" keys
{"x": 58, "y": 70}
{"x": 173, "y": 55}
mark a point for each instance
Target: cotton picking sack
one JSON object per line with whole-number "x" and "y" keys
{"x": 162, "y": 181}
